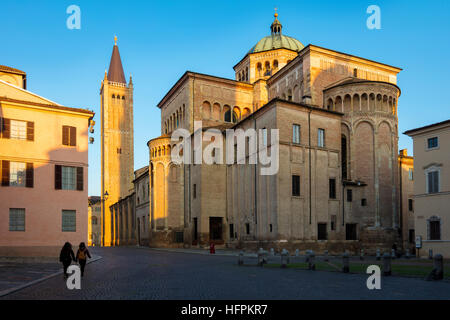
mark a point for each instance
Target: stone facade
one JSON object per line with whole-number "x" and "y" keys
{"x": 117, "y": 153}
{"x": 142, "y": 205}
{"x": 432, "y": 187}
{"x": 94, "y": 221}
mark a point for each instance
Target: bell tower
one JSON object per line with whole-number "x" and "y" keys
{"x": 117, "y": 154}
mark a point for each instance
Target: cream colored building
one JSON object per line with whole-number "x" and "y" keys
{"x": 338, "y": 185}
{"x": 432, "y": 187}
{"x": 44, "y": 166}
{"x": 142, "y": 205}
{"x": 117, "y": 154}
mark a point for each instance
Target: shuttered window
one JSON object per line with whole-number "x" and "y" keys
{"x": 16, "y": 129}
{"x": 17, "y": 174}
{"x": 69, "y": 136}
{"x": 16, "y": 219}
{"x": 69, "y": 221}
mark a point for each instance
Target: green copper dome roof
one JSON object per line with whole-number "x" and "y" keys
{"x": 277, "y": 41}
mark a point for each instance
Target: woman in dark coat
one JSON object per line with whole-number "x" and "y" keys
{"x": 66, "y": 256}
{"x": 82, "y": 255}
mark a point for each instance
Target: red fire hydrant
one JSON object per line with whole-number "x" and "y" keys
{"x": 212, "y": 248}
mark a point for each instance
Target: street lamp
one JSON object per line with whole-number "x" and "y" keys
{"x": 104, "y": 198}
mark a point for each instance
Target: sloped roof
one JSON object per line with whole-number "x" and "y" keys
{"x": 12, "y": 70}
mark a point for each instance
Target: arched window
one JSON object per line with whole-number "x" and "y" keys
{"x": 118, "y": 96}
{"x": 344, "y": 156}
{"x": 246, "y": 74}
{"x": 267, "y": 71}
{"x": 94, "y": 220}
{"x": 113, "y": 96}
{"x": 123, "y": 97}
{"x": 275, "y": 64}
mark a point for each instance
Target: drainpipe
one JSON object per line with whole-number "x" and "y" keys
{"x": 310, "y": 181}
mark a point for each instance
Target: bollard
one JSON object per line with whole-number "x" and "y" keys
{"x": 438, "y": 269}
{"x": 407, "y": 255}
{"x": 272, "y": 252}
{"x": 345, "y": 263}
{"x": 307, "y": 252}
{"x": 361, "y": 256}
{"x": 378, "y": 254}
{"x": 284, "y": 258}
{"x": 260, "y": 257}
{"x": 296, "y": 252}
{"x": 241, "y": 258}
{"x": 393, "y": 254}
{"x": 311, "y": 263}
{"x": 387, "y": 264}
{"x": 430, "y": 254}
{"x": 325, "y": 254}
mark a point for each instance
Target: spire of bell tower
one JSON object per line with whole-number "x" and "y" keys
{"x": 115, "y": 73}
{"x": 276, "y": 25}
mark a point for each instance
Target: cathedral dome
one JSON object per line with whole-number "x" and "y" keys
{"x": 277, "y": 40}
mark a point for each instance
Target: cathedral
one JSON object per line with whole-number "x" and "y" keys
{"x": 337, "y": 187}
{"x": 117, "y": 153}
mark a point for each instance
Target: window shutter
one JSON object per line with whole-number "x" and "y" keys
{"x": 58, "y": 177}
{"x": 73, "y": 136}
{"x": 6, "y": 128}
{"x": 30, "y": 131}
{"x": 80, "y": 178}
{"x": 29, "y": 176}
{"x": 65, "y": 135}
{"x": 5, "y": 173}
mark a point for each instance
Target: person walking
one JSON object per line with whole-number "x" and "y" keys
{"x": 82, "y": 255}
{"x": 66, "y": 256}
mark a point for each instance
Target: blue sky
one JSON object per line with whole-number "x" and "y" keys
{"x": 160, "y": 40}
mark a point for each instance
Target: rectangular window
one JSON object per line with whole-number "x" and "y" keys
{"x": 435, "y": 230}
{"x": 433, "y": 142}
{"x": 296, "y": 186}
{"x": 349, "y": 195}
{"x": 411, "y": 174}
{"x": 69, "y": 221}
{"x": 321, "y": 231}
{"x": 333, "y": 222}
{"x": 412, "y": 236}
{"x": 350, "y": 231}
{"x": 270, "y": 227}
{"x": 69, "y": 178}
{"x": 231, "y": 231}
{"x": 433, "y": 181}
{"x": 69, "y": 136}
{"x": 321, "y": 138}
{"x": 296, "y": 133}
{"x": 195, "y": 191}
{"x": 16, "y": 219}
{"x": 247, "y": 228}
{"x": 363, "y": 202}
{"x": 410, "y": 205}
{"x": 332, "y": 187}
{"x": 18, "y": 130}
{"x": 17, "y": 174}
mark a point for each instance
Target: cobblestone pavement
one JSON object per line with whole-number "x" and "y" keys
{"x": 143, "y": 273}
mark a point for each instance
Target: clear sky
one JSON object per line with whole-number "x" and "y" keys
{"x": 160, "y": 40}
